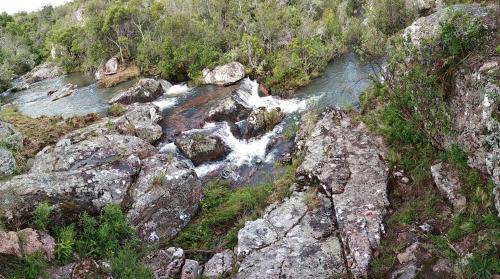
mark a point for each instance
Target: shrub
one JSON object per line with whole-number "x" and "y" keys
{"x": 116, "y": 110}
{"x": 31, "y": 267}
{"x": 41, "y": 215}
{"x": 483, "y": 266}
{"x": 86, "y": 244}
{"x": 127, "y": 265}
{"x": 112, "y": 230}
{"x": 65, "y": 243}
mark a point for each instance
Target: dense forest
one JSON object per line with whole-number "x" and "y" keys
{"x": 284, "y": 43}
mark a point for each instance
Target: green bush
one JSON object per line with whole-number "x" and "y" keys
{"x": 112, "y": 230}
{"x": 220, "y": 211}
{"x": 126, "y": 264}
{"x": 483, "y": 266}
{"x": 31, "y": 267}
{"x": 65, "y": 243}
{"x": 41, "y": 215}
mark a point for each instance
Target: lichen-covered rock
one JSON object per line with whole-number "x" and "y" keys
{"x": 200, "y": 147}
{"x": 346, "y": 161}
{"x": 448, "y": 182}
{"x": 165, "y": 197}
{"x": 33, "y": 241}
{"x": 474, "y": 109}
{"x": 7, "y": 162}
{"x": 228, "y": 109}
{"x": 71, "y": 191}
{"x": 292, "y": 241}
{"x": 165, "y": 264}
{"x": 65, "y": 91}
{"x": 261, "y": 121}
{"x": 190, "y": 270}
{"x": 225, "y": 74}
{"x": 146, "y": 90}
{"x": 219, "y": 265}
{"x": 140, "y": 120}
{"x": 89, "y": 153}
{"x": 42, "y": 72}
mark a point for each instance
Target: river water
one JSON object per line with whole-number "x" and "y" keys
{"x": 250, "y": 161}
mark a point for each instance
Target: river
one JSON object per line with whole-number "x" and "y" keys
{"x": 250, "y": 161}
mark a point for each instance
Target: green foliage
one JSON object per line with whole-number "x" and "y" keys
{"x": 112, "y": 230}
{"x": 498, "y": 50}
{"x": 390, "y": 16}
{"x": 127, "y": 265}
{"x": 41, "y": 215}
{"x": 31, "y": 267}
{"x": 116, "y": 110}
{"x": 65, "y": 243}
{"x": 220, "y": 210}
{"x": 459, "y": 39}
{"x": 483, "y": 266}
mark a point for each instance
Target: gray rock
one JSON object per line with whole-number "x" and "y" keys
{"x": 61, "y": 272}
{"x": 448, "y": 182}
{"x": 146, "y": 90}
{"x": 291, "y": 241}
{"x": 443, "y": 266}
{"x": 42, "y": 72}
{"x": 405, "y": 272}
{"x": 346, "y": 161}
{"x": 108, "y": 68}
{"x": 90, "y": 153}
{"x": 190, "y": 270}
{"x": 200, "y": 147}
{"x": 261, "y": 121}
{"x": 224, "y": 75}
{"x": 71, "y": 192}
{"x": 65, "y": 91}
{"x": 228, "y": 109}
{"x": 140, "y": 120}
{"x": 7, "y": 162}
{"x": 165, "y": 197}
{"x": 220, "y": 264}
{"x": 165, "y": 264}
{"x": 422, "y": 7}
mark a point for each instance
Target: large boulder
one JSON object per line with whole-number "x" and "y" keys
{"x": 224, "y": 75}
{"x": 42, "y": 72}
{"x": 261, "y": 121}
{"x": 447, "y": 181}
{"x": 228, "y": 109}
{"x": 7, "y": 162}
{"x": 164, "y": 198}
{"x": 69, "y": 191}
{"x": 292, "y": 241}
{"x": 90, "y": 153}
{"x": 146, "y": 90}
{"x": 346, "y": 161}
{"x": 140, "y": 120}
{"x": 201, "y": 148}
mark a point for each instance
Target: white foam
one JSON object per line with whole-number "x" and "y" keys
{"x": 165, "y": 103}
{"x": 178, "y": 89}
{"x": 168, "y": 148}
{"x": 243, "y": 152}
{"x": 248, "y": 95}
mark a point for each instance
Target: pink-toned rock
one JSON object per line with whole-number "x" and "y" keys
{"x": 33, "y": 241}
{"x": 9, "y": 245}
